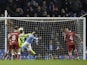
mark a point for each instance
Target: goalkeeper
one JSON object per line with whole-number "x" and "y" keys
{"x": 21, "y": 40}
{"x": 22, "y": 37}
{"x": 30, "y": 39}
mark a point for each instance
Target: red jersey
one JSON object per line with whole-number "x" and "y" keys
{"x": 70, "y": 38}
{"x": 14, "y": 38}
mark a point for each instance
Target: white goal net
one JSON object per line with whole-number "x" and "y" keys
{"x": 51, "y": 43}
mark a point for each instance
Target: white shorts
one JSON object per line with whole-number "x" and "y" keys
{"x": 27, "y": 45}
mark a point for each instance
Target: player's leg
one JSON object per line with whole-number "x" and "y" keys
{"x": 75, "y": 52}
{"x": 29, "y": 48}
{"x": 24, "y": 45}
{"x": 13, "y": 52}
{"x": 70, "y": 54}
{"x": 70, "y": 51}
{"x": 18, "y": 51}
{"x": 8, "y": 53}
{"x": 5, "y": 55}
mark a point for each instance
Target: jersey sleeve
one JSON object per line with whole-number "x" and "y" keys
{"x": 19, "y": 41}
{"x": 36, "y": 40}
{"x": 26, "y": 35}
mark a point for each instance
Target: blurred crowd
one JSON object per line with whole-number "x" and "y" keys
{"x": 44, "y": 8}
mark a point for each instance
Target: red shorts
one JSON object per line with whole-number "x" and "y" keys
{"x": 15, "y": 46}
{"x": 71, "y": 47}
{"x": 9, "y": 47}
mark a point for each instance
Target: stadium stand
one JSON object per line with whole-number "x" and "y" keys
{"x": 44, "y": 8}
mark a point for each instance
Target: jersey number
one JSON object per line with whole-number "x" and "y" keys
{"x": 71, "y": 37}
{"x": 13, "y": 38}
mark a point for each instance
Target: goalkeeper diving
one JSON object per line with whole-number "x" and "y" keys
{"x": 30, "y": 37}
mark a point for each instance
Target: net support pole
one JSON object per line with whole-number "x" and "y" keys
{"x": 5, "y": 30}
{"x": 84, "y": 39}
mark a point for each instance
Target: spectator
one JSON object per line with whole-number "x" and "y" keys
{"x": 76, "y": 5}
{"x": 44, "y": 8}
{"x": 19, "y": 12}
{"x": 39, "y": 12}
{"x": 45, "y": 14}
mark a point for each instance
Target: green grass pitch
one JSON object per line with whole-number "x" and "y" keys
{"x": 43, "y": 62}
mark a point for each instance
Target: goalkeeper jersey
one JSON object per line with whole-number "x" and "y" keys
{"x": 21, "y": 38}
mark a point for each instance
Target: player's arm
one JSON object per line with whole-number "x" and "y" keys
{"x": 64, "y": 37}
{"x": 78, "y": 37}
{"x": 9, "y": 36}
{"x": 26, "y": 35}
{"x": 19, "y": 41}
{"x": 36, "y": 40}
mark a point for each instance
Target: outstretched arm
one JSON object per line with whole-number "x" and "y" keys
{"x": 9, "y": 35}
{"x": 78, "y": 37}
{"x": 26, "y": 35}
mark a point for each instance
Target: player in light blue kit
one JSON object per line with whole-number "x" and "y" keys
{"x": 29, "y": 41}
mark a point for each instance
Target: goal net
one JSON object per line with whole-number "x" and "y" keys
{"x": 2, "y": 37}
{"x": 51, "y": 44}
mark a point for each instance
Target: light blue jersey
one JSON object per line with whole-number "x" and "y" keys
{"x": 28, "y": 42}
{"x": 31, "y": 38}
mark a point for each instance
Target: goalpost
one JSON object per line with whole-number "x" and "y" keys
{"x": 50, "y": 33}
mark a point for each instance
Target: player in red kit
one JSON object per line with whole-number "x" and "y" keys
{"x": 7, "y": 55}
{"x": 71, "y": 43}
{"x": 13, "y": 38}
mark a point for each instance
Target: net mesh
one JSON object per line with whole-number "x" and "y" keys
{"x": 51, "y": 35}
{"x": 2, "y": 34}
{"x": 2, "y": 37}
